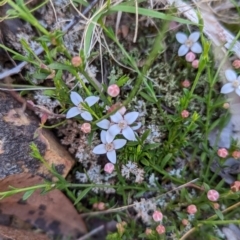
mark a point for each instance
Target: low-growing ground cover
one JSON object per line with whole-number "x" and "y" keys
{"x": 145, "y": 108}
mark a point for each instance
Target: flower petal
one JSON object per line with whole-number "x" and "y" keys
{"x": 105, "y": 124}
{"x": 116, "y": 117}
{"x": 196, "y": 47}
{"x": 181, "y": 37}
{"x": 119, "y": 143}
{"x": 230, "y": 75}
{"x": 103, "y": 136}
{"x": 136, "y": 127}
{"x": 76, "y": 98}
{"x": 129, "y": 134}
{"x": 194, "y": 36}
{"x": 131, "y": 117}
{"x": 237, "y": 91}
{"x": 112, "y": 132}
{"x": 227, "y": 88}
{"x": 91, "y": 100}
{"x": 112, "y": 156}
{"x": 86, "y": 116}
{"x": 100, "y": 149}
{"x": 72, "y": 112}
{"x": 183, "y": 50}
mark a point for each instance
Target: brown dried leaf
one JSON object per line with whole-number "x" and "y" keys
{"x": 51, "y": 212}
{"x": 17, "y": 234}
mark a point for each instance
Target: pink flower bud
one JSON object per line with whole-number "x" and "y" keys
{"x": 216, "y": 206}
{"x": 190, "y": 56}
{"x": 157, "y": 216}
{"x": 76, "y": 61}
{"x": 192, "y": 209}
{"x": 222, "y": 152}
{"x": 236, "y": 154}
{"x": 185, "y": 114}
{"x": 213, "y": 195}
{"x": 113, "y": 90}
{"x": 235, "y": 187}
{"x": 160, "y": 229}
{"x": 101, "y": 206}
{"x": 195, "y": 63}
{"x": 95, "y": 205}
{"x": 109, "y": 167}
{"x": 122, "y": 110}
{"x": 236, "y": 63}
{"x": 86, "y": 128}
{"x": 186, "y": 83}
{"x": 226, "y": 105}
{"x": 185, "y": 222}
{"x": 148, "y": 231}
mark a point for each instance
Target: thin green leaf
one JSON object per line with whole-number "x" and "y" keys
{"x": 149, "y": 13}
{"x": 27, "y": 194}
{"x": 82, "y": 195}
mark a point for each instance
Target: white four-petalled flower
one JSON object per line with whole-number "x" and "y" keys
{"x": 120, "y": 124}
{"x": 234, "y": 82}
{"x": 79, "y": 108}
{"x": 188, "y": 43}
{"x": 109, "y": 147}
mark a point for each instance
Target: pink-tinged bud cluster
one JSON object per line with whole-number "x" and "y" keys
{"x": 157, "y": 216}
{"x": 192, "y": 209}
{"x": 236, "y": 154}
{"x": 213, "y": 195}
{"x": 113, "y": 90}
{"x": 160, "y": 229}
{"x": 190, "y": 57}
{"x": 222, "y": 152}
{"x": 86, "y": 128}
{"x": 235, "y": 187}
{"x": 236, "y": 63}
{"x": 122, "y": 110}
{"x": 185, "y": 114}
{"x": 109, "y": 167}
{"x": 186, "y": 83}
{"x": 195, "y": 63}
{"x": 76, "y": 61}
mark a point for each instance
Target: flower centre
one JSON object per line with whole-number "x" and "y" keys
{"x": 109, "y": 147}
{"x": 189, "y": 43}
{"x": 80, "y": 107}
{"x": 122, "y": 124}
{"x": 235, "y": 84}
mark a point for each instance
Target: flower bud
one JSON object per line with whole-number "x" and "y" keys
{"x": 76, "y": 61}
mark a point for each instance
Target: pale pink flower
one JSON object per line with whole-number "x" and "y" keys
{"x": 235, "y": 187}
{"x": 236, "y": 154}
{"x": 160, "y": 229}
{"x": 113, "y": 90}
{"x": 185, "y": 114}
{"x": 86, "y": 128}
{"x": 157, "y": 216}
{"x": 109, "y": 167}
{"x": 186, "y": 83}
{"x": 195, "y": 63}
{"x": 185, "y": 222}
{"x": 192, "y": 209}
{"x": 213, "y": 195}
{"x": 190, "y": 56}
{"x": 236, "y": 63}
{"x": 76, "y": 61}
{"x": 148, "y": 231}
{"x": 222, "y": 152}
